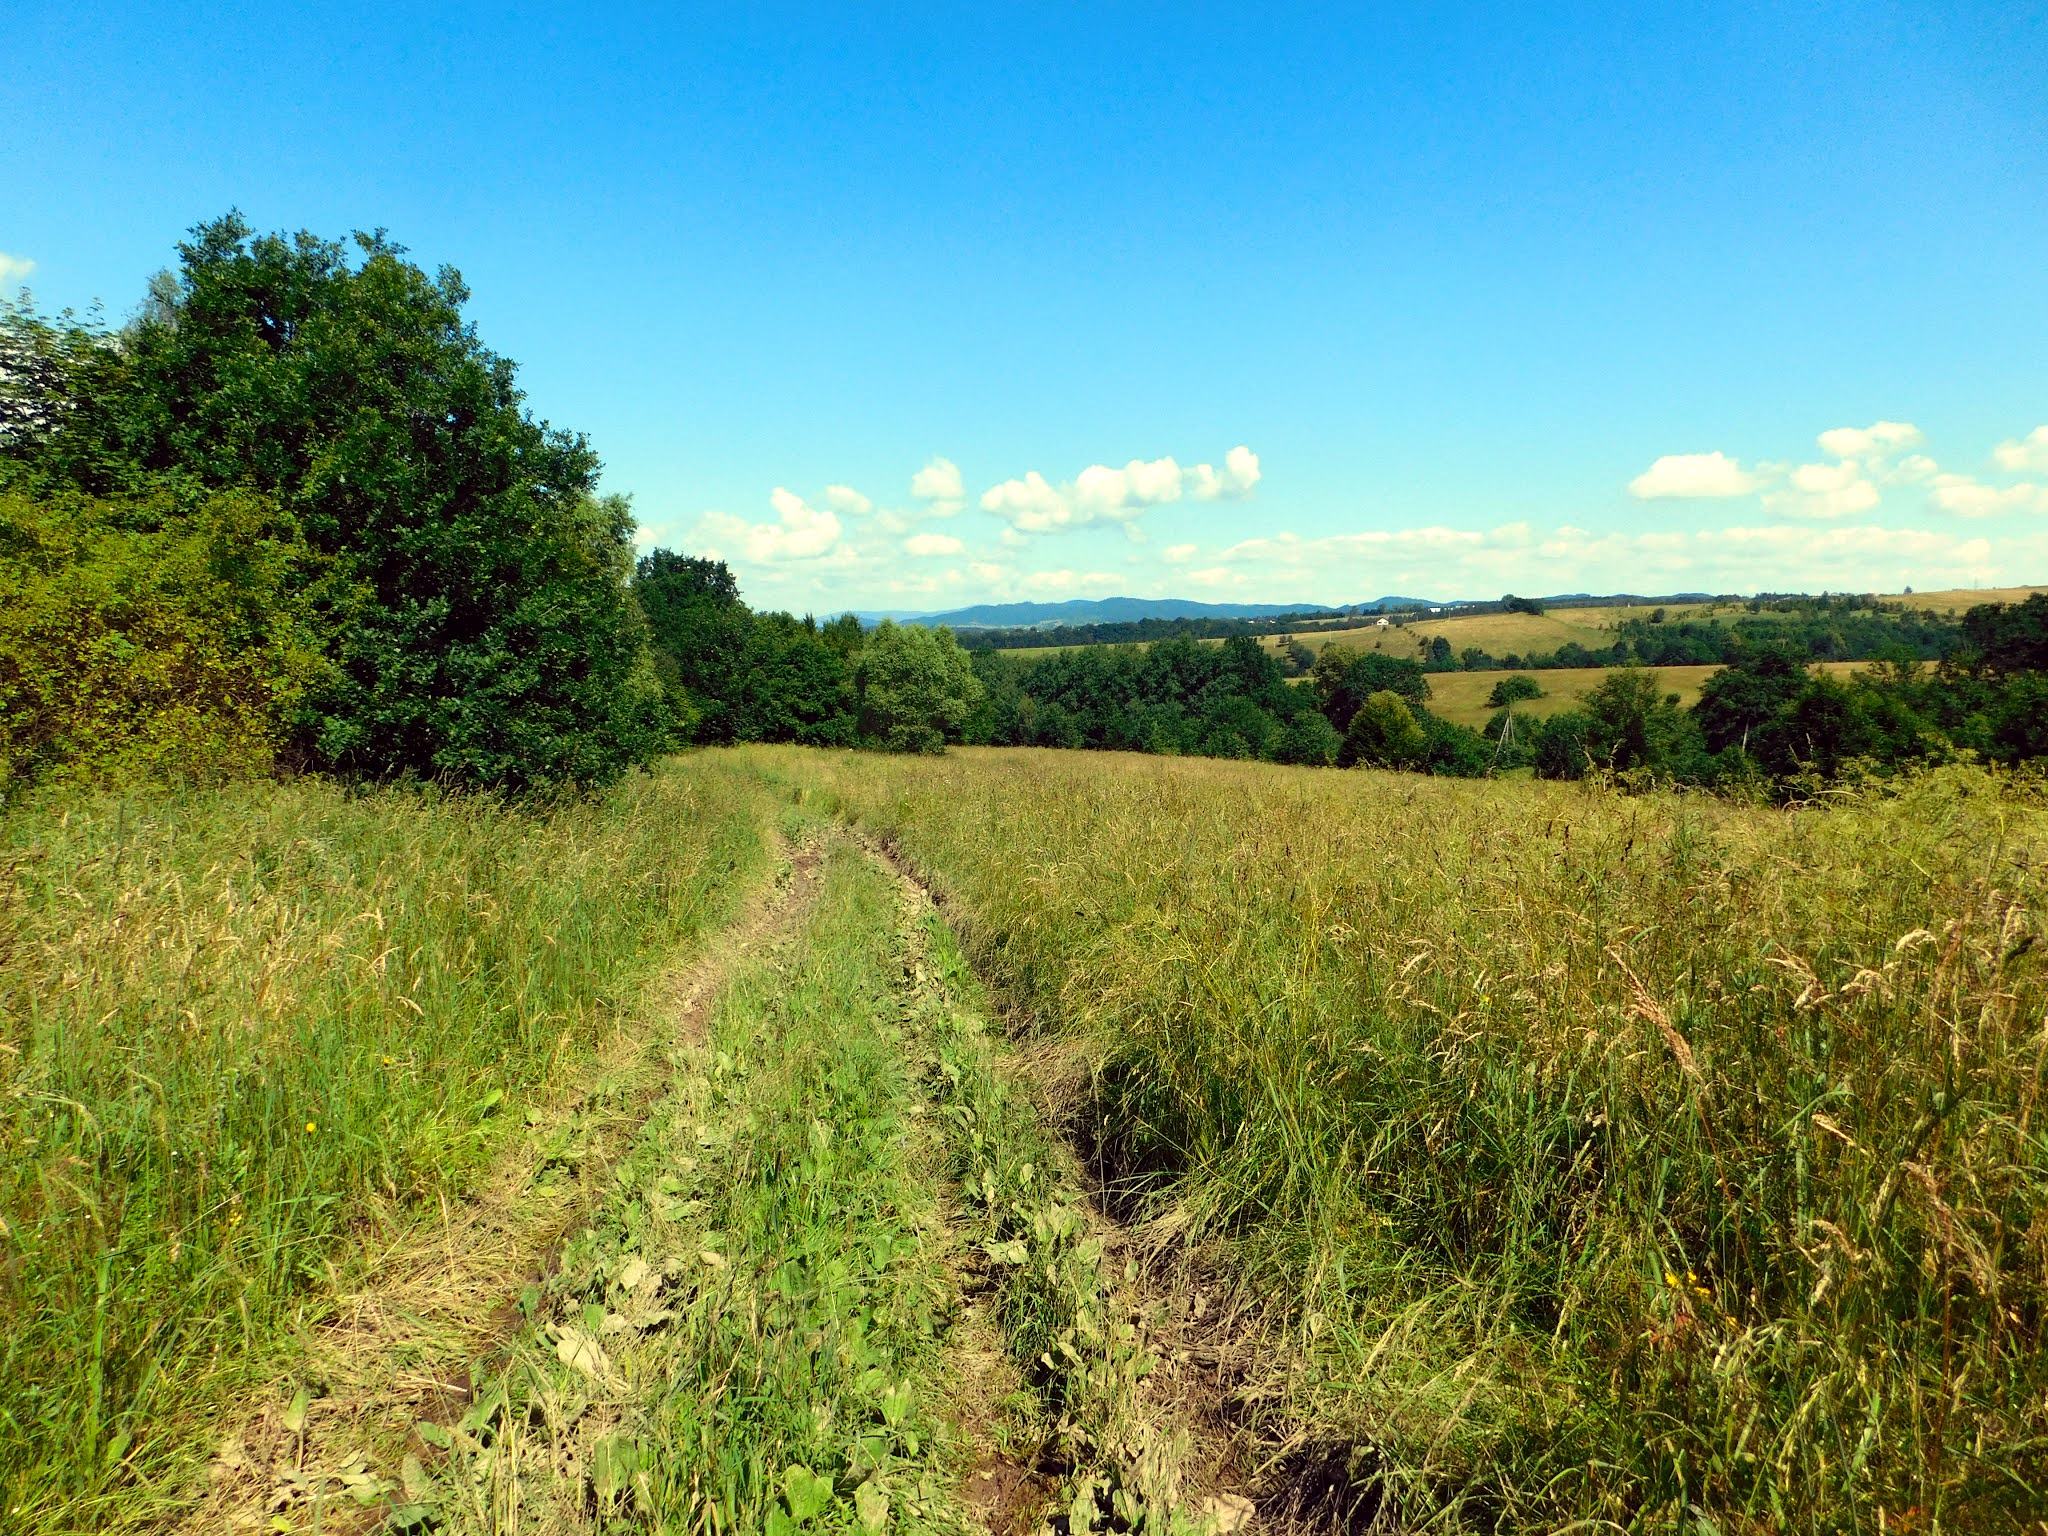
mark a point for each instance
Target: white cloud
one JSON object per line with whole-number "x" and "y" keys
{"x": 1879, "y": 440}
{"x": 1240, "y": 474}
{"x": 1030, "y": 505}
{"x": 1069, "y": 581}
{"x": 800, "y": 532}
{"x": 2030, "y": 452}
{"x": 939, "y": 484}
{"x": 1179, "y": 554}
{"x": 1825, "y": 490}
{"x": 984, "y": 570}
{"x": 1968, "y": 498}
{"x": 1218, "y": 576}
{"x": 14, "y": 269}
{"x": 844, "y": 498}
{"x": 1692, "y": 476}
{"x": 1102, "y": 493}
{"x": 933, "y": 544}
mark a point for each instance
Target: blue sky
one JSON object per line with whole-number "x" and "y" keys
{"x": 911, "y": 307}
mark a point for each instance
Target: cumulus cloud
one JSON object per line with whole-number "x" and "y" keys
{"x": 1854, "y": 557}
{"x": 1825, "y": 490}
{"x": 844, "y": 498}
{"x": 939, "y": 485}
{"x": 1968, "y": 498}
{"x": 2029, "y": 452}
{"x": 1179, "y": 554}
{"x": 933, "y": 544}
{"x": 1101, "y": 493}
{"x": 1053, "y": 582}
{"x": 1879, "y": 440}
{"x": 1240, "y": 474}
{"x": 14, "y": 269}
{"x": 1692, "y": 476}
{"x": 800, "y": 531}
{"x": 1030, "y": 505}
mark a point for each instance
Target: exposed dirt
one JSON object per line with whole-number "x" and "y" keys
{"x": 433, "y": 1300}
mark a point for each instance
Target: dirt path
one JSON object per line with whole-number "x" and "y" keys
{"x": 439, "y": 1298}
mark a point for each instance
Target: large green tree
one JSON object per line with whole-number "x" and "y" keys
{"x": 469, "y": 584}
{"x": 915, "y": 686}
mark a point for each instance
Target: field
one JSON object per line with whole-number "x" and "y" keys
{"x": 1461, "y": 696}
{"x": 829, "y": 1141}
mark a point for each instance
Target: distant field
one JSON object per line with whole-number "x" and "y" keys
{"x": 1961, "y": 600}
{"x": 1527, "y": 634}
{"x": 1461, "y": 696}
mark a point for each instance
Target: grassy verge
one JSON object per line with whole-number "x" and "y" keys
{"x": 1661, "y": 1163}
{"x": 240, "y": 1029}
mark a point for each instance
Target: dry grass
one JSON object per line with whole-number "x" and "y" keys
{"x": 1461, "y": 696}
{"x": 1614, "y": 1158}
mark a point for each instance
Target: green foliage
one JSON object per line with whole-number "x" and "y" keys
{"x": 1514, "y": 604}
{"x": 467, "y": 584}
{"x": 1634, "y": 723}
{"x": 1383, "y": 733}
{"x": 915, "y": 688}
{"x": 1308, "y": 740}
{"x": 745, "y": 676}
{"x": 1344, "y": 679}
{"x": 142, "y": 641}
{"x": 1512, "y": 689}
{"x": 699, "y": 629}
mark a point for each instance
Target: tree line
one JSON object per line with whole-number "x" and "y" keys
{"x": 295, "y": 514}
{"x": 1768, "y": 715}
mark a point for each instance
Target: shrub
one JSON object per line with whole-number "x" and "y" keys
{"x": 137, "y": 643}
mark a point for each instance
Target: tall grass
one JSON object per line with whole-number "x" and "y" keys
{"x": 235, "y": 1025}
{"x": 1655, "y": 1163}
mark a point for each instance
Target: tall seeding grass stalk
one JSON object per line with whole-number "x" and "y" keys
{"x": 235, "y": 1025}
{"x": 1653, "y": 1163}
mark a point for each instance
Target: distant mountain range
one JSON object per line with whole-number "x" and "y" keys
{"x": 1106, "y": 610}
{"x": 1126, "y": 610}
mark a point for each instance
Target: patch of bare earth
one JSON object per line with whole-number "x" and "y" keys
{"x": 330, "y": 1451}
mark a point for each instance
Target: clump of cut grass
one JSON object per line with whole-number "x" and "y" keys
{"x": 238, "y": 1024}
{"x": 1645, "y": 1161}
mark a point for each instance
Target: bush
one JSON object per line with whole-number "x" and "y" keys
{"x": 143, "y": 644}
{"x": 1383, "y": 734}
{"x": 1513, "y": 689}
{"x": 1308, "y": 740}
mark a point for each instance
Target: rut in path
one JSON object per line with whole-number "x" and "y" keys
{"x": 442, "y": 1297}
{"x": 1168, "y": 1434}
